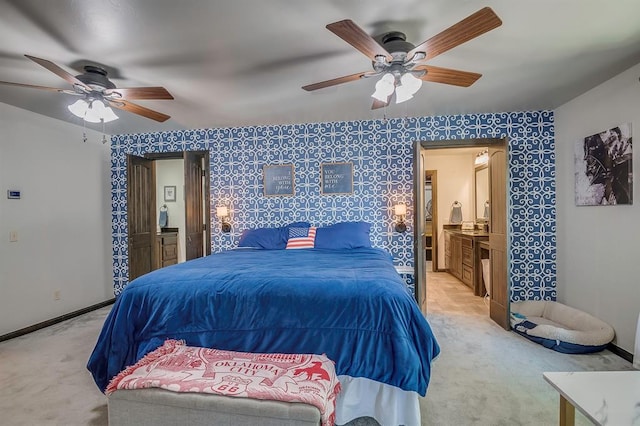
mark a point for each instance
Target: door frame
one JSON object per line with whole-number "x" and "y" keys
{"x": 419, "y": 256}
{"x": 421, "y": 146}
{"x": 433, "y": 174}
{"x": 154, "y": 156}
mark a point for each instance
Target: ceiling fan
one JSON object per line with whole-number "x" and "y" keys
{"x": 402, "y": 64}
{"x": 93, "y": 85}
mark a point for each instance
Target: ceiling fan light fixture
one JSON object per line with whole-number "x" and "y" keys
{"x": 409, "y": 85}
{"x": 102, "y": 111}
{"x": 384, "y": 87}
{"x": 108, "y": 115}
{"x": 402, "y": 95}
{"x": 79, "y": 108}
{"x": 94, "y": 112}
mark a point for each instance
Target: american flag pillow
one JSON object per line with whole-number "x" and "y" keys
{"x": 301, "y": 238}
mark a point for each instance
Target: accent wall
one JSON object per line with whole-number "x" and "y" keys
{"x": 382, "y": 155}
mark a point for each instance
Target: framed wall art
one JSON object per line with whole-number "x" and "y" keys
{"x": 170, "y": 193}
{"x": 603, "y": 172}
{"x": 336, "y": 178}
{"x": 278, "y": 180}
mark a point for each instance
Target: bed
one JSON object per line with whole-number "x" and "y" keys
{"x": 347, "y": 303}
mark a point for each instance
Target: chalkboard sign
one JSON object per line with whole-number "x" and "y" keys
{"x": 278, "y": 180}
{"x": 336, "y": 178}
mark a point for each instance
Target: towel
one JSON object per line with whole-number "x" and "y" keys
{"x": 456, "y": 213}
{"x": 164, "y": 218}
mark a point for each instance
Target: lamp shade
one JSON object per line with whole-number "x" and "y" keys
{"x": 94, "y": 113}
{"x": 108, "y": 115}
{"x": 222, "y": 211}
{"x": 409, "y": 85}
{"x": 402, "y": 95}
{"x": 384, "y": 87}
{"x": 400, "y": 209}
{"x": 79, "y": 108}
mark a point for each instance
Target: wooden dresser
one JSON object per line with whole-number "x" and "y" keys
{"x": 166, "y": 249}
{"x": 462, "y": 257}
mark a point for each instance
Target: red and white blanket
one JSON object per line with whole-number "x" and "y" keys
{"x": 309, "y": 379}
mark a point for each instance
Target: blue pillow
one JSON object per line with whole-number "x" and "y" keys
{"x": 265, "y": 238}
{"x": 344, "y": 235}
{"x": 268, "y": 238}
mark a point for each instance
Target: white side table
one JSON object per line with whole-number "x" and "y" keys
{"x": 605, "y": 397}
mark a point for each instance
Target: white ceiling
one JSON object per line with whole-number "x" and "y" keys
{"x": 243, "y": 62}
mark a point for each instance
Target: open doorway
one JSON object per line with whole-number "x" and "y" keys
{"x": 460, "y": 227}
{"x": 168, "y": 209}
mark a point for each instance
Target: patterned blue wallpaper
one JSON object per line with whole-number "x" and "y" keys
{"x": 382, "y": 155}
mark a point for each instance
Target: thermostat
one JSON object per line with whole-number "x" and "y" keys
{"x": 11, "y": 194}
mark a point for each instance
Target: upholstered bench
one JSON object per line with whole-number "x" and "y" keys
{"x": 159, "y": 407}
{"x": 179, "y": 384}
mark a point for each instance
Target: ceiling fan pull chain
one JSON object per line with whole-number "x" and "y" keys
{"x": 84, "y": 131}
{"x": 104, "y": 137}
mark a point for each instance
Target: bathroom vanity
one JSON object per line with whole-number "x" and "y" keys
{"x": 463, "y": 254}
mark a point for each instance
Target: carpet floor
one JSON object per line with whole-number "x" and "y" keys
{"x": 483, "y": 376}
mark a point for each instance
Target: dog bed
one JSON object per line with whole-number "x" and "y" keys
{"x": 560, "y": 327}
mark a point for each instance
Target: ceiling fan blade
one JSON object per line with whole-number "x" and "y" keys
{"x": 469, "y": 28}
{"x": 379, "y": 104}
{"x": 356, "y": 37}
{"x": 58, "y": 71}
{"x": 140, "y": 110}
{"x": 333, "y": 82}
{"x": 448, "y": 76}
{"x": 140, "y": 93}
{"x": 31, "y": 86}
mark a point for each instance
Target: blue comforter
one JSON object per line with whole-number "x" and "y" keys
{"x": 348, "y": 304}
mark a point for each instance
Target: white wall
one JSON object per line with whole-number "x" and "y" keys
{"x": 171, "y": 173}
{"x": 63, "y": 219}
{"x": 455, "y": 183}
{"x": 598, "y": 255}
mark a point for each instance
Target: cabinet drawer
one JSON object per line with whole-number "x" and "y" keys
{"x": 169, "y": 239}
{"x": 169, "y": 252}
{"x": 467, "y": 242}
{"x": 467, "y": 256}
{"x": 467, "y": 275}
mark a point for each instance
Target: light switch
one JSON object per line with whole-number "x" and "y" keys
{"x": 13, "y": 236}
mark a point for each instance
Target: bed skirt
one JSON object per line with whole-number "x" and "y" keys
{"x": 388, "y": 405}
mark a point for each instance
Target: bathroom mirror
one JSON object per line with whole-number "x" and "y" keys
{"x": 482, "y": 194}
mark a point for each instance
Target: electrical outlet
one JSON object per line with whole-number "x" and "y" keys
{"x": 56, "y": 295}
{"x": 13, "y": 236}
